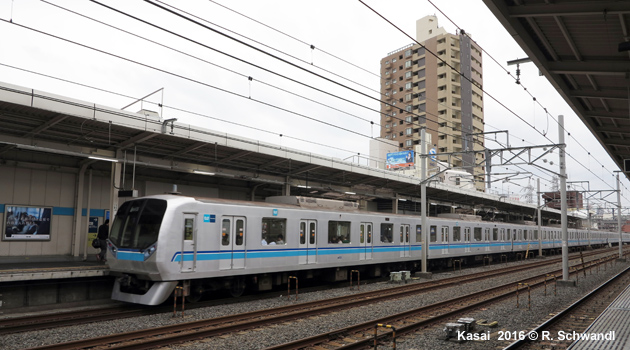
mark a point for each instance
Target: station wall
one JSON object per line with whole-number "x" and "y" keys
{"x": 48, "y": 188}
{"x": 41, "y": 186}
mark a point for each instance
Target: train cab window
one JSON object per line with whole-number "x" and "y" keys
{"x": 477, "y": 234}
{"x": 274, "y": 231}
{"x": 137, "y": 223}
{"x": 339, "y": 232}
{"x": 418, "y": 233}
{"x": 457, "y": 234}
{"x": 433, "y": 234}
{"x": 387, "y": 233}
{"x": 495, "y": 234}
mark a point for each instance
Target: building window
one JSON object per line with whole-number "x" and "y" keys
{"x": 409, "y": 143}
{"x": 409, "y": 131}
{"x": 395, "y": 70}
{"x": 408, "y": 108}
{"x": 408, "y": 53}
{"x": 409, "y": 119}
{"x": 407, "y": 97}
{"x": 408, "y": 75}
{"x": 393, "y": 60}
{"x": 408, "y": 86}
{"x": 408, "y": 64}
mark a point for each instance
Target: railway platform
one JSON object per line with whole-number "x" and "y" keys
{"x": 611, "y": 330}
{"x": 35, "y": 285}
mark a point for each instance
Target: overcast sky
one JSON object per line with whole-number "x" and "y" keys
{"x": 206, "y": 88}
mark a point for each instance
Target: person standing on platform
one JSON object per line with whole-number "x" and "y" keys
{"x": 103, "y": 234}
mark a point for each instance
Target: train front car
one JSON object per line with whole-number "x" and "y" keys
{"x": 133, "y": 249}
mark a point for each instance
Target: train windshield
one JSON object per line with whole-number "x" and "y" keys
{"x": 137, "y": 223}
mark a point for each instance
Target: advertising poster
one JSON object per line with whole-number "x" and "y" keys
{"x": 400, "y": 159}
{"x": 92, "y": 229}
{"x": 27, "y": 223}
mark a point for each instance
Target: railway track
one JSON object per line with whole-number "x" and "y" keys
{"x": 189, "y": 331}
{"x": 62, "y": 319}
{"x": 366, "y": 335}
{"x": 575, "y": 318}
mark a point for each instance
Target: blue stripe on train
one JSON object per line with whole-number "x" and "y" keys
{"x": 292, "y": 252}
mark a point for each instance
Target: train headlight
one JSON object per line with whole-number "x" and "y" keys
{"x": 112, "y": 249}
{"x": 149, "y": 251}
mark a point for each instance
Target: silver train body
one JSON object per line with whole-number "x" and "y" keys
{"x": 158, "y": 241}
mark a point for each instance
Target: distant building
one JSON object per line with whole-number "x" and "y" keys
{"x": 574, "y": 200}
{"x": 420, "y": 90}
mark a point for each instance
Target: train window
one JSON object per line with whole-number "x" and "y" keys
{"x": 404, "y": 233}
{"x": 477, "y": 234}
{"x": 274, "y": 230}
{"x": 509, "y": 234}
{"x": 525, "y": 234}
{"x": 225, "y": 232}
{"x": 369, "y": 233}
{"x": 311, "y": 230}
{"x": 189, "y": 225}
{"x": 433, "y": 234}
{"x": 302, "y": 233}
{"x": 457, "y": 234}
{"x": 418, "y": 233}
{"x": 338, "y": 231}
{"x": 535, "y": 234}
{"x": 387, "y": 233}
{"x": 444, "y": 234}
{"x": 240, "y": 232}
{"x": 487, "y": 234}
{"x": 502, "y": 235}
{"x": 495, "y": 234}
{"x": 466, "y": 234}
{"x": 137, "y": 223}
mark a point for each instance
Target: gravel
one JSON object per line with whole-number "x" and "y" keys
{"x": 508, "y": 317}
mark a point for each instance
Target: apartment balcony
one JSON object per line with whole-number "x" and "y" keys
{"x": 389, "y": 130}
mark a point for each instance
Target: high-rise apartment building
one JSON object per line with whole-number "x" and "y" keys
{"x": 419, "y": 89}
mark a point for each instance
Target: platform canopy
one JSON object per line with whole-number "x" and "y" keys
{"x": 583, "y": 48}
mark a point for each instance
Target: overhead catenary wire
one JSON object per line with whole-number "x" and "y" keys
{"x": 533, "y": 98}
{"x": 467, "y": 78}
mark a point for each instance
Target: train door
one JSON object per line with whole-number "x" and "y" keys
{"x": 502, "y": 238}
{"x": 445, "y": 242}
{"x": 466, "y": 239}
{"x": 232, "y": 243}
{"x": 365, "y": 241}
{"x": 308, "y": 238}
{"x": 486, "y": 237}
{"x": 189, "y": 249}
{"x": 509, "y": 238}
{"x": 404, "y": 241}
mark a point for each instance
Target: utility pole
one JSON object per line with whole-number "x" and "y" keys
{"x": 563, "y": 203}
{"x": 539, "y": 219}
{"x": 621, "y": 258}
{"x": 423, "y": 203}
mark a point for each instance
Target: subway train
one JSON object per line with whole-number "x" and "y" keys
{"x": 156, "y": 242}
